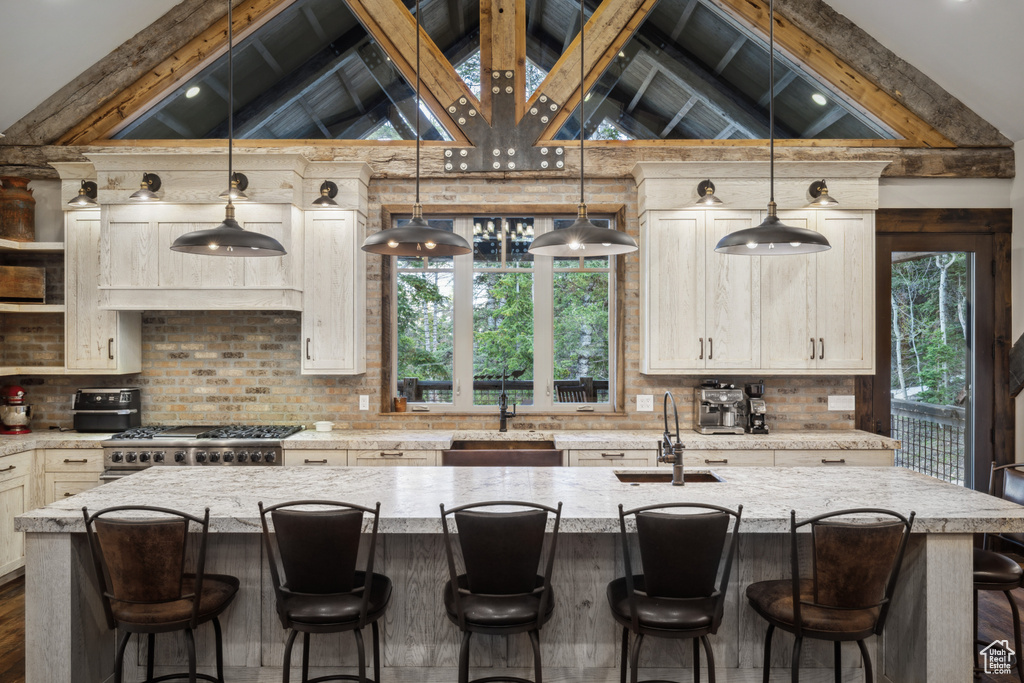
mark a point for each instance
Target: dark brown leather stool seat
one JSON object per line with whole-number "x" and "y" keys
{"x": 995, "y": 571}
{"x": 855, "y": 568}
{"x": 680, "y": 595}
{"x": 312, "y": 559}
{"x": 339, "y": 609}
{"x": 500, "y": 591}
{"x": 658, "y": 613}
{"x": 139, "y": 564}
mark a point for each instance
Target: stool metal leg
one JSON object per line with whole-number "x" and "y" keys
{"x": 376, "y": 652}
{"x": 119, "y": 657}
{"x": 150, "y": 657}
{"x": 625, "y": 654}
{"x": 837, "y": 661}
{"x": 535, "y": 642}
{"x": 287, "y": 672}
{"x": 796, "y": 659}
{"x": 190, "y": 643}
{"x": 710, "y": 657}
{"x": 361, "y": 654}
{"x": 768, "y": 652}
{"x": 868, "y": 674}
{"x": 1016, "y": 634}
{"x": 464, "y": 658}
{"x": 219, "y": 642}
{"x": 696, "y": 661}
{"x": 634, "y": 659}
{"x": 305, "y": 657}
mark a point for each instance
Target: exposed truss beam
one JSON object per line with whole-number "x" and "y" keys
{"x": 346, "y": 85}
{"x": 727, "y": 132}
{"x": 683, "y": 111}
{"x": 684, "y": 18}
{"x": 314, "y": 23}
{"x": 304, "y": 103}
{"x": 267, "y": 57}
{"x": 780, "y": 85}
{"x": 730, "y": 53}
{"x": 175, "y": 124}
{"x": 502, "y": 48}
{"x": 455, "y": 17}
{"x": 401, "y": 94}
{"x": 642, "y": 89}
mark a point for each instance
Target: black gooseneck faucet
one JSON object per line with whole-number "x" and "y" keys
{"x": 503, "y": 411}
{"x": 672, "y": 452}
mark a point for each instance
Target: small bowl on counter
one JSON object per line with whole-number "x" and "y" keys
{"x": 323, "y": 426}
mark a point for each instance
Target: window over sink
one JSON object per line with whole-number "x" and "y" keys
{"x": 541, "y": 327}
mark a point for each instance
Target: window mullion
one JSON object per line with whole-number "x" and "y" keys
{"x": 462, "y": 396}
{"x": 543, "y": 322}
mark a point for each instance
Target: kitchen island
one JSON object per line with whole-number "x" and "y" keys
{"x": 928, "y": 637}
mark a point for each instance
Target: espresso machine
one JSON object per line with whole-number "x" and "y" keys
{"x": 757, "y": 420}
{"x": 720, "y": 408}
{"x": 14, "y": 414}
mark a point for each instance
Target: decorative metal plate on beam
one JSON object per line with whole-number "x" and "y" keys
{"x": 505, "y": 144}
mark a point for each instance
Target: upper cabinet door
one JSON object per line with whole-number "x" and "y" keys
{"x": 846, "y": 292}
{"x": 788, "y": 305}
{"x": 334, "y": 295}
{"x": 732, "y": 286}
{"x": 673, "y": 292}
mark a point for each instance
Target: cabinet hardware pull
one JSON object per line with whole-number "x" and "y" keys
{"x": 393, "y": 454}
{"x": 307, "y": 349}
{"x": 821, "y": 356}
{"x": 723, "y": 461}
{"x": 701, "y": 356}
{"x": 613, "y": 455}
{"x": 316, "y": 462}
{"x": 711, "y": 348}
{"x": 72, "y": 460}
{"x": 813, "y": 348}
{"x": 8, "y": 469}
{"x": 110, "y": 348}
{"x": 68, "y": 494}
{"x": 840, "y": 461}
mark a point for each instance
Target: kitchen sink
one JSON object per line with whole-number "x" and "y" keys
{"x": 498, "y": 453}
{"x": 666, "y": 477}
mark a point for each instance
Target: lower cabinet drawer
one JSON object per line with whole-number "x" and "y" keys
{"x": 751, "y": 458}
{"x": 316, "y": 458}
{"x": 64, "y": 485}
{"x": 73, "y": 460}
{"x": 17, "y": 465}
{"x": 613, "y": 458}
{"x": 865, "y": 458}
{"x": 394, "y": 458}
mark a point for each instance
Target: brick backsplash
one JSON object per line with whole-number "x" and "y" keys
{"x": 244, "y": 367}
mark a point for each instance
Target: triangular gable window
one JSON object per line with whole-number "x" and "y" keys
{"x": 311, "y": 72}
{"x": 691, "y": 71}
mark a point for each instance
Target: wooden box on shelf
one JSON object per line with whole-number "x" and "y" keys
{"x": 22, "y": 284}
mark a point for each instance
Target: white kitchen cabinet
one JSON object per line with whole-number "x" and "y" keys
{"x": 15, "y": 499}
{"x": 836, "y": 458}
{"x": 395, "y": 458}
{"x": 61, "y": 485}
{"x": 817, "y": 310}
{"x": 317, "y": 457}
{"x": 734, "y": 458}
{"x": 95, "y": 340}
{"x": 612, "y": 457}
{"x": 334, "y": 294}
{"x": 700, "y": 308}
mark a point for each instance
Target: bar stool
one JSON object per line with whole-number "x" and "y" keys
{"x": 855, "y": 566}
{"x": 317, "y": 586}
{"x": 139, "y": 564}
{"x": 995, "y": 571}
{"x": 676, "y": 596}
{"x": 500, "y": 592}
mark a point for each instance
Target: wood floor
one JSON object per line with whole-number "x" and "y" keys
{"x": 995, "y": 623}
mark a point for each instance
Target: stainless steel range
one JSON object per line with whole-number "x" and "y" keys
{"x": 144, "y": 447}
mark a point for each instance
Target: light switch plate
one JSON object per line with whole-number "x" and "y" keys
{"x": 364, "y": 402}
{"x": 842, "y": 403}
{"x": 645, "y": 403}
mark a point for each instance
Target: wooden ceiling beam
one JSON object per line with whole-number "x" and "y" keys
{"x": 394, "y": 28}
{"x": 502, "y": 48}
{"x": 826, "y": 65}
{"x": 608, "y": 29}
{"x": 179, "y": 66}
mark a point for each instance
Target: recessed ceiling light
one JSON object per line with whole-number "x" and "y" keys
{"x": 192, "y": 92}
{"x": 819, "y": 99}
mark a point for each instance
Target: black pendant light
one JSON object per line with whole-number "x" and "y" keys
{"x": 229, "y": 238}
{"x": 772, "y": 237}
{"x": 582, "y": 238}
{"x": 417, "y": 237}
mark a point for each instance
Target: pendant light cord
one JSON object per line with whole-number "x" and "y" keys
{"x": 582, "y": 98}
{"x": 231, "y": 100}
{"x": 771, "y": 100}
{"x": 417, "y": 102}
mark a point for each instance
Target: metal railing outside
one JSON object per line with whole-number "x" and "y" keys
{"x": 932, "y": 439}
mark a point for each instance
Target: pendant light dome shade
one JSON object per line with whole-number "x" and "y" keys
{"x": 86, "y": 197}
{"x": 416, "y": 238}
{"x": 706, "y": 192}
{"x": 583, "y": 238}
{"x": 147, "y": 189}
{"x": 773, "y": 238}
{"x": 228, "y": 239}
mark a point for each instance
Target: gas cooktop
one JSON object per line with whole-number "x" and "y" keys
{"x": 196, "y": 445}
{"x": 206, "y": 432}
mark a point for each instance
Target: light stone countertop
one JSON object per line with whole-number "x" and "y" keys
{"x": 410, "y": 496}
{"x": 16, "y": 443}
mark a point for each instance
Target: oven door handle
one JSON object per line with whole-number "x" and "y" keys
{"x": 112, "y": 475}
{"x": 123, "y": 411}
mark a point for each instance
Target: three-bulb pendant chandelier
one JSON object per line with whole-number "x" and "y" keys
{"x": 229, "y": 238}
{"x": 772, "y": 236}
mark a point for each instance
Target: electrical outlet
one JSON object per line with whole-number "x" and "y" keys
{"x": 645, "y": 403}
{"x": 364, "y": 402}
{"x": 842, "y": 403}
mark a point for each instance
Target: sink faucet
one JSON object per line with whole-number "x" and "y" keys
{"x": 503, "y": 411}
{"x": 672, "y": 452}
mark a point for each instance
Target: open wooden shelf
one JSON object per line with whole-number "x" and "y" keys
{"x": 28, "y": 247}
{"x": 31, "y": 308}
{"x": 8, "y": 370}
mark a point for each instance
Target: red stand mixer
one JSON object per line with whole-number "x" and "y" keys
{"x": 14, "y": 414}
